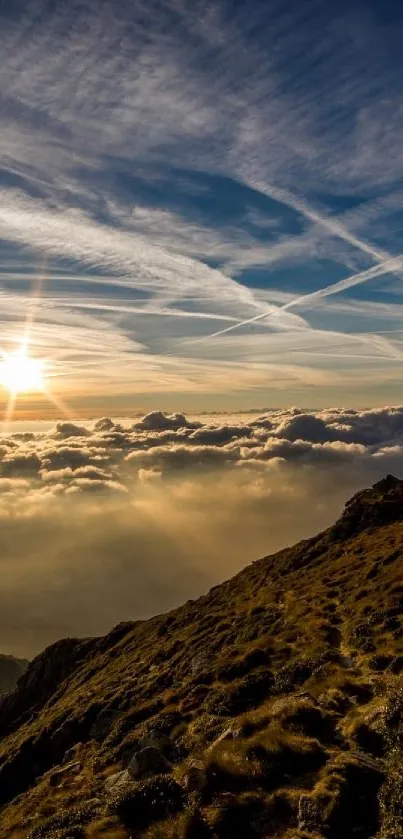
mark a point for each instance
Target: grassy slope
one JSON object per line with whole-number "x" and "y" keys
{"x": 301, "y": 653}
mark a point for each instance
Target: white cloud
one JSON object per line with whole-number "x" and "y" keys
{"x": 129, "y": 520}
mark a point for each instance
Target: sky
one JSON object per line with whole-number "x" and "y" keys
{"x": 201, "y": 203}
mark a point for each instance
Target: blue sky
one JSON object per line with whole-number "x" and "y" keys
{"x": 201, "y": 204}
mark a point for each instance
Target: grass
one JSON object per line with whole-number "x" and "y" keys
{"x": 300, "y": 656}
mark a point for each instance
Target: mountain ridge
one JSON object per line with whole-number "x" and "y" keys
{"x": 272, "y": 713}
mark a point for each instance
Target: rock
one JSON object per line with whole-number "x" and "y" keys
{"x": 93, "y": 802}
{"x": 71, "y": 753}
{"x": 148, "y": 761}
{"x": 371, "y": 508}
{"x": 154, "y": 739}
{"x": 57, "y": 775}
{"x": 228, "y": 734}
{"x": 195, "y": 778}
{"x": 117, "y": 782}
{"x": 304, "y": 694}
{"x": 199, "y": 663}
{"x": 103, "y": 724}
{"x": 70, "y": 731}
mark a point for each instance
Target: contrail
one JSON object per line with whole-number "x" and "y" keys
{"x": 353, "y": 280}
{"x": 385, "y": 261}
{"x": 327, "y": 222}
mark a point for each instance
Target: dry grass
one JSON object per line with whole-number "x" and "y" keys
{"x": 299, "y": 654}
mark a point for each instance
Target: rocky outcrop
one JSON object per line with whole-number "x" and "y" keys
{"x": 371, "y": 508}
{"x": 41, "y": 680}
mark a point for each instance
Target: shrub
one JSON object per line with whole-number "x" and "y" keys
{"x": 241, "y": 666}
{"x": 344, "y": 803}
{"x": 231, "y": 820}
{"x": 67, "y": 824}
{"x": 153, "y": 800}
{"x": 391, "y": 794}
{"x": 310, "y": 720}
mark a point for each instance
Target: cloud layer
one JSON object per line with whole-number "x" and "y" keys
{"x": 107, "y": 522}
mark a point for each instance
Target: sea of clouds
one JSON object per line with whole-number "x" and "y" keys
{"x": 113, "y": 521}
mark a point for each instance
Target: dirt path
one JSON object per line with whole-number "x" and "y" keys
{"x": 338, "y": 641}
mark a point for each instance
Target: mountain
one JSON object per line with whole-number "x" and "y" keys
{"x": 10, "y": 671}
{"x": 272, "y": 706}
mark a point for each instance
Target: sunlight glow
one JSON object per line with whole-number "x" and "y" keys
{"x": 19, "y": 373}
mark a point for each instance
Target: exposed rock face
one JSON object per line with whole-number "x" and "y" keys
{"x": 371, "y": 508}
{"x": 41, "y": 680}
{"x": 273, "y": 705}
{"x": 116, "y": 783}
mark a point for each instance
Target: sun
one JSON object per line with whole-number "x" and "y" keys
{"x": 20, "y": 373}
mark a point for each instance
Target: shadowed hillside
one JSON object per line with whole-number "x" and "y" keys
{"x": 10, "y": 671}
{"x": 272, "y": 706}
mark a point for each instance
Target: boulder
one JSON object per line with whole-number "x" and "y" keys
{"x": 156, "y": 740}
{"x": 57, "y": 775}
{"x": 148, "y": 761}
{"x": 72, "y": 753}
{"x": 103, "y": 724}
{"x": 117, "y": 782}
{"x": 195, "y": 778}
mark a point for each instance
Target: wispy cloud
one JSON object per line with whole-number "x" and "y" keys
{"x": 173, "y": 163}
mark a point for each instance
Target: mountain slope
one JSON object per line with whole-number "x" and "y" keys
{"x": 269, "y": 707}
{"x": 11, "y": 669}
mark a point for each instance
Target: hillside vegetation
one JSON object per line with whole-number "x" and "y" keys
{"x": 270, "y": 707}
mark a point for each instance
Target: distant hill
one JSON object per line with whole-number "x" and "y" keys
{"x": 10, "y": 671}
{"x": 270, "y": 707}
